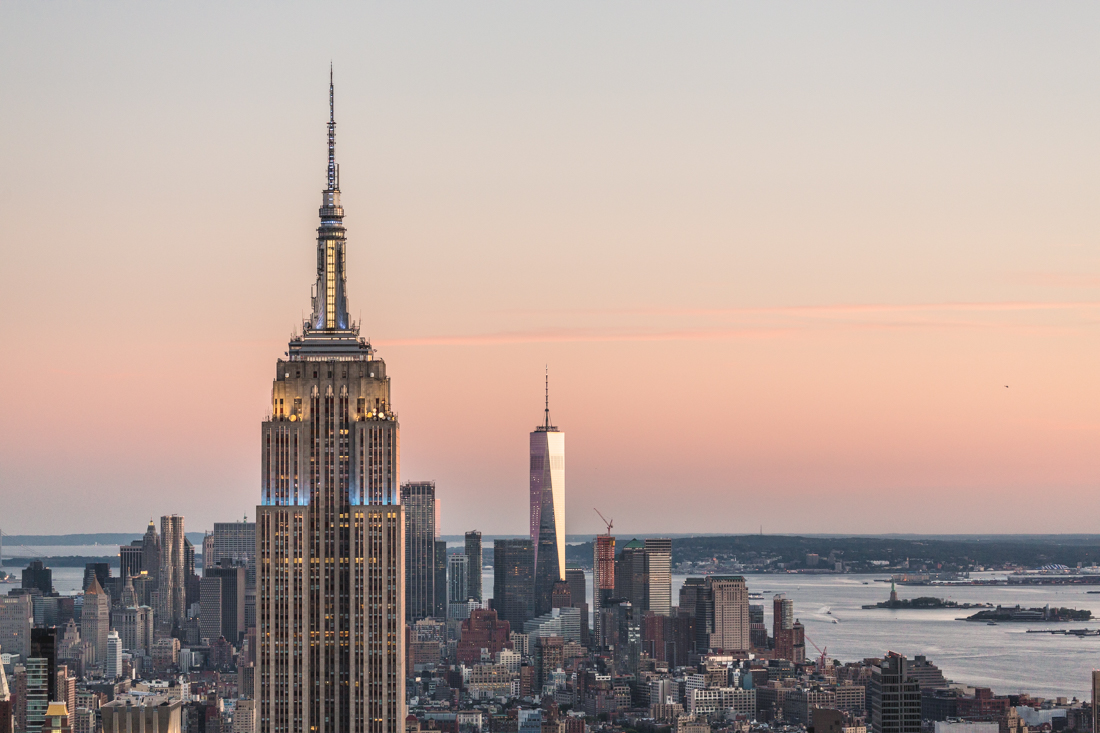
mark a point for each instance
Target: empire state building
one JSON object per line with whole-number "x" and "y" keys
{"x": 329, "y": 529}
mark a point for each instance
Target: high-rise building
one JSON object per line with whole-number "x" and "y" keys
{"x": 210, "y": 609}
{"x": 66, "y": 686}
{"x": 234, "y": 542}
{"x": 439, "y": 593}
{"x": 457, "y": 585}
{"x": 788, "y": 633}
{"x": 603, "y": 579}
{"x": 101, "y": 571}
{"x": 7, "y": 712}
{"x": 190, "y": 578}
{"x": 41, "y": 676}
{"x": 330, "y": 596}
{"x": 130, "y": 559}
{"x": 135, "y": 628}
{"x": 95, "y": 620}
{"x": 37, "y": 576}
{"x": 112, "y": 664}
{"x": 728, "y": 609}
{"x": 894, "y": 697}
{"x": 574, "y": 578}
{"x": 659, "y": 555}
{"x": 473, "y": 568}
{"x": 632, "y": 576}
{"x": 231, "y": 581}
{"x": 150, "y": 552}
{"x": 782, "y": 613}
{"x": 513, "y": 571}
{"x": 421, "y": 512}
{"x": 547, "y": 508}
{"x": 172, "y": 576}
{"x": 693, "y": 600}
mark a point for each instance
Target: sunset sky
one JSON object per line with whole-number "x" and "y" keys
{"x": 806, "y": 268}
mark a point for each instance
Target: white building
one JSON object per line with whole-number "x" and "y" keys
{"x": 112, "y": 663}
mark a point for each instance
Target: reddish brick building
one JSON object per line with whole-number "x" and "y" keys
{"x": 483, "y": 630}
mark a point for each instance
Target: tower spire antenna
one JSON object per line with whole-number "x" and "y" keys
{"x": 548, "y": 396}
{"x": 333, "y": 175}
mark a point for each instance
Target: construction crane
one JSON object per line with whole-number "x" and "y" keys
{"x": 609, "y": 522}
{"x": 821, "y": 659}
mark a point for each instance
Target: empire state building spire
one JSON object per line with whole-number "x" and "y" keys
{"x": 330, "y": 306}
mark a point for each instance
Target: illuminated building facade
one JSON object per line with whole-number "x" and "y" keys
{"x": 547, "y": 509}
{"x": 330, "y": 594}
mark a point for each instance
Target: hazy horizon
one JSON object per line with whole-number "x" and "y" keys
{"x": 826, "y": 269}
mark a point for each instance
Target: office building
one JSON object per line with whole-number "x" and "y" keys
{"x": 513, "y": 575}
{"x": 16, "y": 621}
{"x": 473, "y": 567}
{"x": 895, "y": 699}
{"x": 210, "y": 610}
{"x": 632, "y": 575}
{"x": 233, "y": 543}
{"x": 728, "y": 612}
{"x": 603, "y": 579}
{"x": 95, "y": 620}
{"x": 112, "y": 665}
{"x": 547, "y": 519}
{"x": 37, "y": 576}
{"x": 659, "y": 555}
{"x": 330, "y": 595}
{"x": 150, "y": 552}
{"x": 131, "y": 559}
{"x": 457, "y": 581}
{"x": 172, "y": 576}
{"x": 439, "y": 603}
{"x": 101, "y": 571}
{"x": 135, "y": 629}
{"x": 231, "y": 582}
{"x": 576, "y": 582}
{"x": 421, "y": 513}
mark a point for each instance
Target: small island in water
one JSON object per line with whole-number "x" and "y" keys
{"x": 1016, "y": 613}
{"x": 922, "y": 603}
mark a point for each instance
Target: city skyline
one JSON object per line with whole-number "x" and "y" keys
{"x": 859, "y": 245}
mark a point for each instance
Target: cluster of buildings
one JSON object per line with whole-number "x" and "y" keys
{"x": 341, "y": 611}
{"x": 157, "y": 648}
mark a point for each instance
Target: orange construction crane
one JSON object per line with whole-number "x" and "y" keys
{"x": 821, "y": 659}
{"x": 609, "y": 522}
